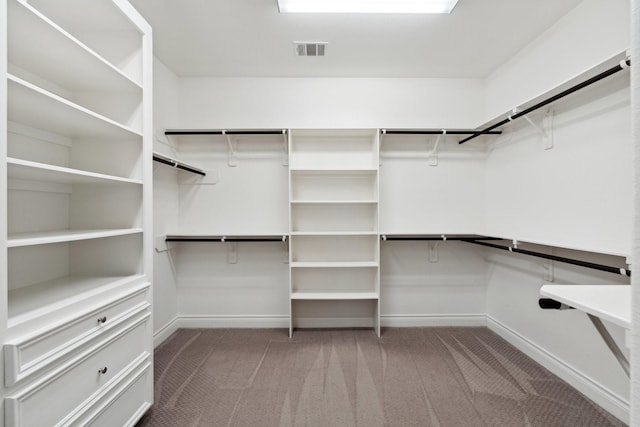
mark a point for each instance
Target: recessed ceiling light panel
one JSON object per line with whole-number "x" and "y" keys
{"x": 366, "y": 6}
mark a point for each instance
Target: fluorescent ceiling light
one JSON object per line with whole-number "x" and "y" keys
{"x": 366, "y": 6}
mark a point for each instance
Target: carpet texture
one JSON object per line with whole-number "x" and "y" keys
{"x": 410, "y": 377}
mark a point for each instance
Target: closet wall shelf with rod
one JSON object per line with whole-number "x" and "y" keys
{"x": 580, "y": 263}
{"x": 225, "y": 132}
{"x": 624, "y": 64}
{"x": 436, "y": 237}
{"x": 226, "y": 238}
{"x": 177, "y": 164}
{"x": 437, "y": 132}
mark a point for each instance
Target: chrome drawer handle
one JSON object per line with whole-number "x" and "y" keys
{"x": 102, "y": 371}
{"x": 102, "y": 319}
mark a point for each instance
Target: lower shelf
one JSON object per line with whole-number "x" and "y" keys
{"x": 334, "y": 296}
{"x": 32, "y": 301}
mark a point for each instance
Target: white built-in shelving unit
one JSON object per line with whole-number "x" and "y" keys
{"x": 334, "y": 252}
{"x": 76, "y": 289}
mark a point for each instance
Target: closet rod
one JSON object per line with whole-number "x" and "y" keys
{"x": 227, "y": 132}
{"x": 437, "y": 238}
{"x": 178, "y": 165}
{"x": 608, "y": 269}
{"x": 547, "y": 101}
{"x": 438, "y": 132}
{"x": 226, "y": 239}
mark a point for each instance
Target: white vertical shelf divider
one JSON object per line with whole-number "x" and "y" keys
{"x": 334, "y": 254}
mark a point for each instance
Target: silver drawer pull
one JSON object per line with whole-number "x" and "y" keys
{"x": 103, "y": 370}
{"x": 102, "y": 319}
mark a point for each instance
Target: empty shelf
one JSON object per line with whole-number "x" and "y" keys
{"x": 607, "y": 302}
{"x": 33, "y": 171}
{"x": 334, "y": 296}
{"x": 59, "y": 236}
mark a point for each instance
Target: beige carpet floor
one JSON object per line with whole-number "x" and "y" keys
{"x": 409, "y": 377}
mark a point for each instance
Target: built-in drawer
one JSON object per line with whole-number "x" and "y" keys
{"x": 123, "y": 404}
{"x": 72, "y": 385}
{"x": 29, "y": 355}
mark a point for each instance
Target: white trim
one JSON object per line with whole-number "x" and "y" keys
{"x": 608, "y": 400}
{"x": 164, "y": 332}
{"x": 432, "y": 320}
{"x": 231, "y": 321}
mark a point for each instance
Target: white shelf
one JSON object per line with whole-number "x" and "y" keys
{"x": 333, "y": 264}
{"x": 333, "y": 202}
{"x": 81, "y": 70}
{"x": 33, "y": 171}
{"x": 334, "y": 296}
{"x": 332, "y": 171}
{"x": 33, "y": 106}
{"x": 41, "y": 298}
{"x": 46, "y": 237}
{"x": 334, "y": 233}
{"x": 608, "y": 302}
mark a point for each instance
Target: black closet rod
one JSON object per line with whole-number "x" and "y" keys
{"x": 178, "y": 165}
{"x": 547, "y": 101}
{"x": 439, "y": 132}
{"x": 228, "y": 132}
{"x": 608, "y": 269}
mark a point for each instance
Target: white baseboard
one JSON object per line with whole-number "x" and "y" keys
{"x": 333, "y": 322}
{"x": 164, "y": 332}
{"x": 240, "y": 321}
{"x": 433, "y": 320}
{"x": 604, "y": 397}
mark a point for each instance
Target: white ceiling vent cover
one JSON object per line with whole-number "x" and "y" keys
{"x": 310, "y": 48}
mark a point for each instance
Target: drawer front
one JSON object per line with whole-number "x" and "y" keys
{"x": 122, "y": 405}
{"x": 29, "y": 356}
{"x": 55, "y": 396}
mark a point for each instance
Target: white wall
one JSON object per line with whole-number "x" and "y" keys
{"x": 423, "y": 193}
{"x": 577, "y": 194}
{"x": 165, "y": 199}
{"x": 227, "y": 103}
{"x": 432, "y": 283}
{"x": 591, "y": 33}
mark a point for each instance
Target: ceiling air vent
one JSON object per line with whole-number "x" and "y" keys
{"x": 310, "y": 48}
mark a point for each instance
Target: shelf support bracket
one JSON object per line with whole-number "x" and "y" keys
{"x": 285, "y": 148}
{"x": 285, "y": 243}
{"x": 433, "y": 154}
{"x": 232, "y": 252}
{"x": 545, "y": 130}
{"x": 610, "y": 342}
{"x": 231, "y": 154}
{"x": 383, "y": 132}
{"x": 433, "y": 252}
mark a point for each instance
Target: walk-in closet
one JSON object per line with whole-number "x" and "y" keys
{"x": 273, "y": 212}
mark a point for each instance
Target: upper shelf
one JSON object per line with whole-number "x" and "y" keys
{"x": 81, "y": 70}
{"x": 32, "y": 171}
{"x": 608, "y": 302}
{"x": 60, "y": 236}
{"x": 38, "y": 108}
